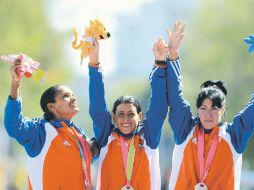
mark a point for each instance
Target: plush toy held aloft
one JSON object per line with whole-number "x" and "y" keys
{"x": 96, "y": 31}
{"x": 29, "y": 67}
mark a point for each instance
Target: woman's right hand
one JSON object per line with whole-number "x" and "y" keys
{"x": 16, "y": 78}
{"x": 15, "y": 72}
{"x": 94, "y": 56}
{"x": 160, "y": 50}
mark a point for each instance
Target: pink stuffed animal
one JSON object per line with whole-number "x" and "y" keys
{"x": 29, "y": 66}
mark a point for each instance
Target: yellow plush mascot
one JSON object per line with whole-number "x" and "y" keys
{"x": 96, "y": 31}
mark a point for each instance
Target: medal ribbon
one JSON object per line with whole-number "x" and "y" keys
{"x": 128, "y": 158}
{"x": 84, "y": 159}
{"x": 211, "y": 153}
{"x": 84, "y": 153}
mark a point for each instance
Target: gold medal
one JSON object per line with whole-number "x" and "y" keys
{"x": 200, "y": 186}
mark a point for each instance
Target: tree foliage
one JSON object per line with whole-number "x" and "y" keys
{"x": 24, "y": 28}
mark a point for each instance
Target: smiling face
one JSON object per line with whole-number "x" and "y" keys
{"x": 65, "y": 105}
{"x": 126, "y": 118}
{"x": 209, "y": 115}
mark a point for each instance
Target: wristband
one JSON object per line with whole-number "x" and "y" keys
{"x": 94, "y": 64}
{"x": 160, "y": 63}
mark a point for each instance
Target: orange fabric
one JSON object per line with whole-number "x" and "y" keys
{"x": 62, "y": 165}
{"x": 113, "y": 173}
{"x": 29, "y": 185}
{"x": 221, "y": 171}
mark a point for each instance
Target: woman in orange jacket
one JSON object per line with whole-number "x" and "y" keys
{"x": 129, "y": 157}
{"x": 208, "y": 151}
{"x": 59, "y": 153}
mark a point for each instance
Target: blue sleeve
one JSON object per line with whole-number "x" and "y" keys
{"x": 158, "y": 107}
{"x": 30, "y": 133}
{"x": 241, "y": 129}
{"x": 180, "y": 117}
{"x": 101, "y": 117}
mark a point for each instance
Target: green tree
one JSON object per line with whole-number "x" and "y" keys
{"x": 24, "y": 28}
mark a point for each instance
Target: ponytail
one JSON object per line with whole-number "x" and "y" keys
{"x": 217, "y": 84}
{"x": 213, "y": 90}
{"x": 48, "y": 96}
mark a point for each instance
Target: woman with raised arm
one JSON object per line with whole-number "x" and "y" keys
{"x": 208, "y": 151}
{"x": 59, "y": 153}
{"x": 129, "y": 157}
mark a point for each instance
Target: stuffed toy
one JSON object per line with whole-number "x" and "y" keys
{"x": 250, "y": 42}
{"x": 96, "y": 31}
{"x": 29, "y": 66}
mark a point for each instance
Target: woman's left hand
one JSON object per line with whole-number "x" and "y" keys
{"x": 175, "y": 38}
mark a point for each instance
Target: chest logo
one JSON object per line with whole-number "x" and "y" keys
{"x": 195, "y": 140}
{"x": 66, "y": 143}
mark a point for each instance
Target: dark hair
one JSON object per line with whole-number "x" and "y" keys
{"x": 48, "y": 96}
{"x": 126, "y": 100}
{"x": 213, "y": 90}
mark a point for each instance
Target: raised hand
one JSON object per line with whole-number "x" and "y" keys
{"x": 15, "y": 72}
{"x": 160, "y": 50}
{"x": 16, "y": 78}
{"x": 175, "y": 38}
{"x": 94, "y": 55}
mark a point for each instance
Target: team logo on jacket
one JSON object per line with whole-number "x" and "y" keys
{"x": 195, "y": 140}
{"x": 66, "y": 143}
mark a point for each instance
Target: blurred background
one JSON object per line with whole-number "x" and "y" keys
{"x": 212, "y": 49}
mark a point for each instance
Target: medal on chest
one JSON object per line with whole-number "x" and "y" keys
{"x": 84, "y": 153}
{"x": 200, "y": 186}
{"x": 128, "y": 161}
{"x": 204, "y": 168}
{"x": 127, "y": 188}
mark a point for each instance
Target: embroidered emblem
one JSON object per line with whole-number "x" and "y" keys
{"x": 195, "y": 140}
{"x": 66, "y": 143}
{"x": 140, "y": 144}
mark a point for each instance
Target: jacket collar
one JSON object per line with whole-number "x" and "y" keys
{"x": 57, "y": 123}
